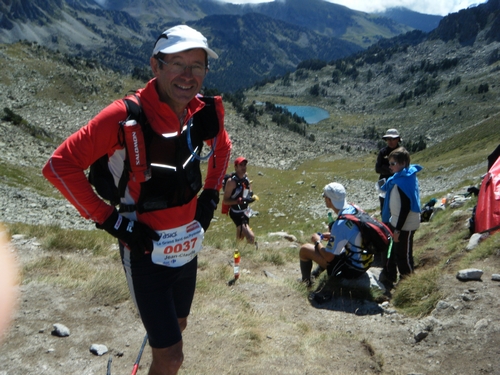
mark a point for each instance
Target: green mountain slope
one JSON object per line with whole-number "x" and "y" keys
{"x": 272, "y": 38}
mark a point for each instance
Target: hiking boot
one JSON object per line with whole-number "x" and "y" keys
{"x": 317, "y": 271}
{"x": 322, "y": 297}
{"x": 387, "y": 282}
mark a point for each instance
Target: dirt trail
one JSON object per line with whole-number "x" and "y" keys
{"x": 463, "y": 333}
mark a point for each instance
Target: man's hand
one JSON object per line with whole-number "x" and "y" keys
{"x": 316, "y": 237}
{"x": 246, "y": 200}
{"x": 207, "y": 203}
{"x": 137, "y": 236}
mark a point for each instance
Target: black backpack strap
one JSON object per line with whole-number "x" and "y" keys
{"x": 208, "y": 116}
{"x": 134, "y": 110}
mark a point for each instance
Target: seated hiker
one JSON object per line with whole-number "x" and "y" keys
{"x": 342, "y": 256}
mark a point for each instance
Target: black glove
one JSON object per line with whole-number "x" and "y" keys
{"x": 207, "y": 203}
{"x": 248, "y": 200}
{"x": 137, "y": 236}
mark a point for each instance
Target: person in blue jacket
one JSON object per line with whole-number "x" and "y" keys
{"x": 401, "y": 211}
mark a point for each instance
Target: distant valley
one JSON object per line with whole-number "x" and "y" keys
{"x": 255, "y": 42}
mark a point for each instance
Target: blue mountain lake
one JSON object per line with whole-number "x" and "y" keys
{"x": 312, "y": 115}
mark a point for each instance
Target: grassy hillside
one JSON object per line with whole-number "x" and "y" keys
{"x": 266, "y": 321}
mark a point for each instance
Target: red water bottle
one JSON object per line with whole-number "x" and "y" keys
{"x": 136, "y": 151}
{"x": 237, "y": 258}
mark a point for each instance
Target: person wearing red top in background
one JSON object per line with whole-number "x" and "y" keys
{"x": 165, "y": 206}
{"x": 238, "y": 195}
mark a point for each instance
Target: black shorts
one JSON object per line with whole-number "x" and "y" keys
{"x": 341, "y": 268}
{"x": 239, "y": 218}
{"x": 162, "y": 295}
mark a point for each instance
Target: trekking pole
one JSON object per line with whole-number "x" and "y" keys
{"x": 136, "y": 364}
{"x": 109, "y": 365}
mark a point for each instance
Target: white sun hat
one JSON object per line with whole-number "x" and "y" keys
{"x": 181, "y": 38}
{"x": 336, "y": 193}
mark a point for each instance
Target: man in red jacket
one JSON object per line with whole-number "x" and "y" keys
{"x": 161, "y": 221}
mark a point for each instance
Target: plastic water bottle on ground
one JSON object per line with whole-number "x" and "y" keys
{"x": 237, "y": 258}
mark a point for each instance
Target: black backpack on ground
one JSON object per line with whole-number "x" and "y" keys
{"x": 376, "y": 236}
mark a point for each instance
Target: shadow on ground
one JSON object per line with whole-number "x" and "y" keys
{"x": 360, "y": 296}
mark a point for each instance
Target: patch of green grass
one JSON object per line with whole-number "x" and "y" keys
{"x": 274, "y": 257}
{"x": 99, "y": 278}
{"x": 418, "y": 294}
{"x": 66, "y": 240}
{"x": 107, "y": 286}
{"x": 13, "y": 175}
{"x": 486, "y": 249}
{"x": 57, "y": 269}
{"x": 455, "y": 154}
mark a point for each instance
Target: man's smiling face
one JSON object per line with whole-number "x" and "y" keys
{"x": 178, "y": 88}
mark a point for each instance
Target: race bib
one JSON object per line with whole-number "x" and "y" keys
{"x": 178, "y": 246}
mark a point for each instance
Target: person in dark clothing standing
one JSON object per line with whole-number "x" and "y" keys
{"x": 392, "y": 139}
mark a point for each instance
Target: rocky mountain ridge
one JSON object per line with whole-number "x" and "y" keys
{"x": 253, "y": 42}
{"x": 30, "y": 88}
{"x": 59, "y": 93}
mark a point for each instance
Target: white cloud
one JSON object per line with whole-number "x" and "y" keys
{"x": 246, "y": 1}
{"x": 438, "y": 7}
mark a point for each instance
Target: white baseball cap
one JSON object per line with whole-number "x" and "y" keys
{"x": 181, "y": 38}
{"x": 336, "y": 193}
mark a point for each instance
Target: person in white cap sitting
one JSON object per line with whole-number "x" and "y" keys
{"x": 392, "y": 139}
{"x": 160, "y": 204}
{"x": 342, "y": 256}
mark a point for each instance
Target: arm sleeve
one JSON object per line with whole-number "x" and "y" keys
{"x": 218, "y": 162}
{"x": 66, "y": 167}
{"x": 338, "y": 238}
{"x": 381, "y": 167}
{"x": 405, "y": 208}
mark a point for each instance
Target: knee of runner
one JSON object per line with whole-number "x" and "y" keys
{"x": 168, "y": 359}
{"x": 303, "y": 251}
{"x": 174, "y": 363}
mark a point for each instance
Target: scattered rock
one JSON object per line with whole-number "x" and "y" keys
{"x": 473, "y": 241}
{"x": 419, "y": 336}
{"x": 481, "y": 325}
{"x": 284, "y": 235}
{"x": 60, "y": 330}
{"x": 98, "y": 349}
{"x": 367, "y": 281}
{"x": 469, "y": 274}
{"x": 269, "y": 274}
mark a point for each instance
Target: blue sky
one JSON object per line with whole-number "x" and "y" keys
{"x": 437, "y": 7}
